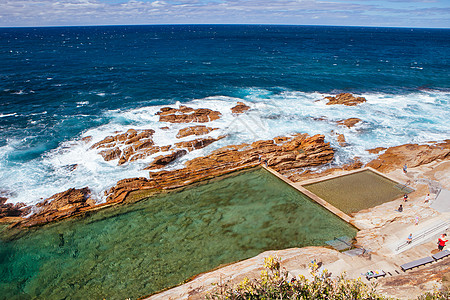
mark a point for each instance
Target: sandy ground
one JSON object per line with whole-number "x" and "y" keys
{"x": 385, "y": 229}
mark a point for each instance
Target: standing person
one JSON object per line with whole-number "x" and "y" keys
{"x": 441, "y": 241}
{"x": 427, "y": 198}
{"x": 405, "y": 197}
{"x": 404, "y": 168}
{"x": 400, "y": 208}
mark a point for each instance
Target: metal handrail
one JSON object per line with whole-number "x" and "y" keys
{"x": 429, "y": 231}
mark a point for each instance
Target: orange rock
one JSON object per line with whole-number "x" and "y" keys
{"x": 240, "y": 108}
{"x": 345, "y": 99}
{"x": 412, "y": 155}
{"x": 194, "y": 130}
{"x": 163, "y": 160}
{"x": 197, "y": 143}
{"x": 341, "y": 140}
{"x": 60, "y": 206}
{"x": 349, "y": 122}
{"x": 376, "y": 150}
{"x": 137, "y": 141}
{"x": 111, "y": 154}
{"x": 186, "y": 114}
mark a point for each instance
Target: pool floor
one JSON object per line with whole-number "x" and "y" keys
{"x": 357, "y": 191}
{"x": 135, "y": 250}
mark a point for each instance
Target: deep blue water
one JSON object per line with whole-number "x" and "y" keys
{"x": 56, "y": 84}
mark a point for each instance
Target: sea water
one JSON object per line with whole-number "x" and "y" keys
{"x": 58, "y": 85}
{"x": 135, "y": 250}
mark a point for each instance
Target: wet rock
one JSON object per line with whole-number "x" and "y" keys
{"x": 376, "y": 150}
{"x": 60, "y": 206}
{"x": 345, "y": 99}
{"x": 194, "y": 130}
{"x": 186, "y": 114}
{"x": 163, "y": 160}
{"x": 197, "y": 143}
{"x": 240, "y": 108}
{"x": 111, "y": 154}
{"x": 10, "y": 209}
{"x": 125, "y": 145}
{"x": 341, "y": 140}
{"x": 350, "y": 122}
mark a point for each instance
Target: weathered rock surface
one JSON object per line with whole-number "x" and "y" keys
{"x": 412, "y": 155}
{"x": 123, "y": 146}
{"x": 197, "y": 143}
{"x": 341, "y": 140}
{"x": 240, "y": 108}
{"x": 289, "y": 153}
{"x": 10, "y": 209}
{"x": 350, "y": 122}
{"x": 60, "y": 206}
{"x": 186, "y": 114}
{"x": 194, "y": 130}
{"x": 345, "y": 99}
{"x": 164, "y": 160}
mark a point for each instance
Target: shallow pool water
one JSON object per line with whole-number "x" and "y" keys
{"x": 138, "y": 249}
{"x": 354, "y": 192}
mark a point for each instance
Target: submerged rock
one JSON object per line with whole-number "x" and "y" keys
{"x": 345, "y": 99}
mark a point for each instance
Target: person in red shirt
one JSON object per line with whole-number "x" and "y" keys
{"x": 441, "y": 242}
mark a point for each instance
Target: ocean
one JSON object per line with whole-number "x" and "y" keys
{"x": 58, "y": 85}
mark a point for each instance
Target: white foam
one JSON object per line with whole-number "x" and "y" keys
{"x": 388, "y": 120}
{"x": 7, "y": 115}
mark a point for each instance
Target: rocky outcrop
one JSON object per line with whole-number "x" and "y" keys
{"x": 240, "y": 108}
{"x": 194, "y": 130}
{"x": 286, "y": 154}
{"x": 412, "y": 155}
{"x": 345, "y": 99}
{"x": 350, "y": 122}
{"x": 60, "y": 206}
{"x": 124, "y": 146}
{"x": 186, "y": 114}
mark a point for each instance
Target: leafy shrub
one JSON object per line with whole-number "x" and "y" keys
{"x": 274, "y": 284}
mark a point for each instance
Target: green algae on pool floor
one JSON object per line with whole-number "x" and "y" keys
{"x": 135, "y": 250}
{"x": 357, "y": 191}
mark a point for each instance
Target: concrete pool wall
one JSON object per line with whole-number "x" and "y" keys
{"x": 343, "y": 211}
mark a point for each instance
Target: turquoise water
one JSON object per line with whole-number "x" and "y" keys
{"x": 136, "y": 250}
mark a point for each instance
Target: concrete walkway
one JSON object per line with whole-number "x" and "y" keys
{"x": 442, "y": 201}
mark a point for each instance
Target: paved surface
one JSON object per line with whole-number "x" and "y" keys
{"x": 442, "y": 202}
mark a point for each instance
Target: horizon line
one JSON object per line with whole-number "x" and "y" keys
{"x": 220, "y": 24}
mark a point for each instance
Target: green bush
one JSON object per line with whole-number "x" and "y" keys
{"x": 274, "y": 284}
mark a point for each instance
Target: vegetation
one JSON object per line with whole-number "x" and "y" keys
{"x": 274, "y": 284}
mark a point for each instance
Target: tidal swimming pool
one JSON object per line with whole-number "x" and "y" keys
{"x": 357, "y": 191}
{"x": 135, "y": 250}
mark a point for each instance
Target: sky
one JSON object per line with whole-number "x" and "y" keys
{"x": 384, "y": 13}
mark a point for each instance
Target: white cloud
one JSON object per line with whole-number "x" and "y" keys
{"x": 332, "y": 12}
